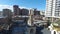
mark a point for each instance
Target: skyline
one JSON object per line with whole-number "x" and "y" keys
{"x": 39, "y": 4}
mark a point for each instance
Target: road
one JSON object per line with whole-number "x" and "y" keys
{"x": 42, "y": 30}
{"x": 45, "y": 31}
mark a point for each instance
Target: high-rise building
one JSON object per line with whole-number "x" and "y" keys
{"x": 52, "y": 12}
{"x": 52, "y": 8}
{"x": 25, "y": 11}
{"x": 16, "y": 10}
{"x": 7, "y": 13}
{"x": 20, "y": 12}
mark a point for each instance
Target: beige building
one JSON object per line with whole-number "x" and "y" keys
{"x": 52, "y": 9}
{"x": 30, "y": 20}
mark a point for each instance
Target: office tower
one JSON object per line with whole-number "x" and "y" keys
{"x": 25, "y": 11}
{"x": 16, "y": 10}
{"x": 52, "y": 8}
{"x": 7, "y": 13}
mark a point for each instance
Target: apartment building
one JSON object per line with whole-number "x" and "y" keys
{"x": 52, "y": 9}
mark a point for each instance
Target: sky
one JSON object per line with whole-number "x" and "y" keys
{"x": 39, "y": 4}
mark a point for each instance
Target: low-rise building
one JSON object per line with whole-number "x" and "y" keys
{"x": 3, "y": 19}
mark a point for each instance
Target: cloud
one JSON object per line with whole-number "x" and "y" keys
{"x": 23, "y": 7}
{"x": 5, "y": 6}
{"x": 9, "y": 7}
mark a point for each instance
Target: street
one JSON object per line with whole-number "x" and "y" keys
{"x": 45, "y": 31}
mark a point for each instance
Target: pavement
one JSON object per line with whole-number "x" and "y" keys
{"x": 42, "y": 30}
{"x": 45, "y": 31}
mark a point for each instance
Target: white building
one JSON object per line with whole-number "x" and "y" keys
{"x": 52, "y": 8}
{"x": 42, "y": 12}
